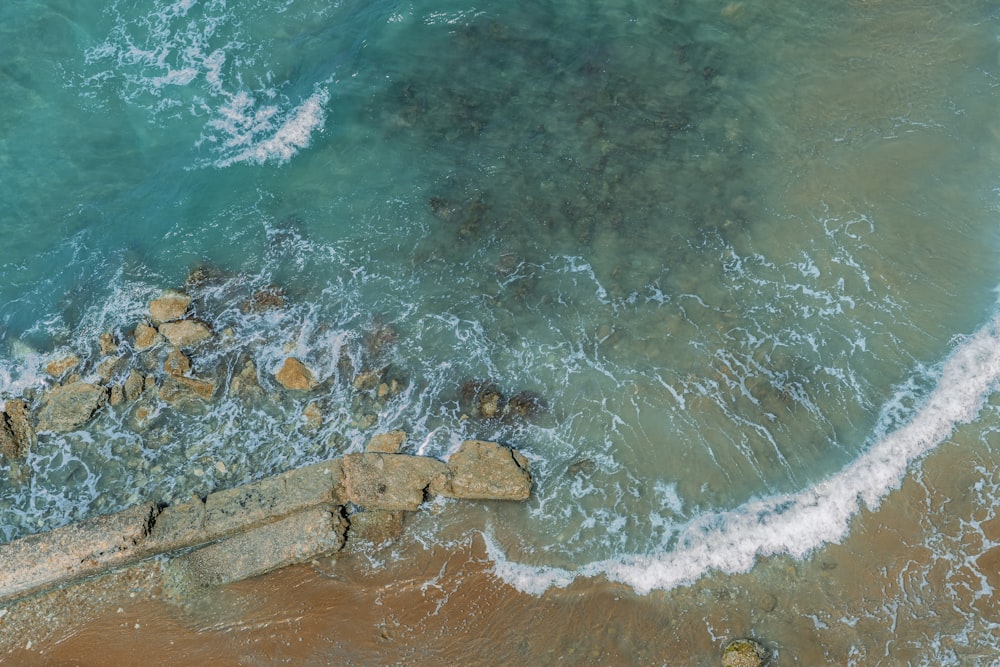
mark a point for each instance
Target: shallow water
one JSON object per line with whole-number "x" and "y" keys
{"x": 745, "y": 255}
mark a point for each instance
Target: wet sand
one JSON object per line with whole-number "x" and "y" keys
{"x": 914, "y": 583}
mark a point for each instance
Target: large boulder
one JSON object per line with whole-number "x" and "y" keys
{"x": 185, "y": 333}
{"x": 487, "y": 471}
{"x": 378, "y": 481}
{"x": 146, "y": 336}
{"x": 171, "y": 306}
{"x": 17, "y": 435}
{"x": 294, "y": 375}
{"x": 70, "y": 406}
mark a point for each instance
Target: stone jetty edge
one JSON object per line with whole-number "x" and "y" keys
{"x": 277, "y": 521}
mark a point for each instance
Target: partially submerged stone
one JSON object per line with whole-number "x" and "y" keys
{"x": 60, "y": 367}
{"x": 176, "y": 363}
{"x": 294, "y": 375}
{"x": 17, "y": 435}
{"x": 69, "y": 406}
{"x": 108, "y": 343}
{"x": 110, "y": 367}
{"x": 171, "y": 306}
{"x": 313, "y": 416}
{"x": 487, "y": 471}
{"x": 146, "y": 336}
{"x": 387, "y": 443}
{"x": 391, "y": 481}
{"x": 186, "y": 392}
{"x": 185, "y": 333}
{"x": 376, "y": 526}
{"x": 744, "y": 653}
{"x": 134, "y": 384}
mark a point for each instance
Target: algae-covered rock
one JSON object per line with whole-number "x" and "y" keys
{"x": 69, "y": 406}
{"x": 744, "y": 653}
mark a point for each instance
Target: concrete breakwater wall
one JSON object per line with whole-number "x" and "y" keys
{"x": 251, "y": 529}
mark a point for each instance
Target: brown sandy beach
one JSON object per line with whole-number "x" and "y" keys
{"x": 883, "y": 597}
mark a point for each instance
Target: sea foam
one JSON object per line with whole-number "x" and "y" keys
{"x": 796, "y": 523}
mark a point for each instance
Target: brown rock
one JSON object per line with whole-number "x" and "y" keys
{"x": 390, "y": 481}
{"x": 177, "y": 363}
{"x": 487, "y": 471}
{"x": 186, "y": 392}
{"x": 744, "y": 653}
{"x": 387, "y": 443}
{"x": 17, "y": 435}
{"x": 110, "y": 367}
{"x": 294, "y": 375}
{"x": 69, "y": 406}
{"x": 171, "y": 306}
{"x": 59, "y": 367}
{"x": 134, "y": 384}
{"x": 185, "y": 333}
{"x": 146, "y": 336}
{"x": 108, "y": 343}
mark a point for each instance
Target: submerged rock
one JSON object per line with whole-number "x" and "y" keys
{"x": 17, "y": 435}
{"x": 244, "y": 384}
{"x": 185, "y": 333}
{"x": 184, "y": 392}
{"x": 294, "y": 375}
{"x": 171, "y": 306}
{"x": 146, "y": 336}
{"x": 108, "y": 343}
{"x": 391, "y": 481}
{"x": 375, "y": 526}
{"x": 387, "y": 443}
{"x": 487, "y": 471}
{"x": 110, "y": 367}
{"x": 268, "y": 298}
{"x": 69, "y": 406}
{"x": 744, "y": 653}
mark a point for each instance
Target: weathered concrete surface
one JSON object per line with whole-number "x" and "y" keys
{"x": 69, "y": 406}
{"x": 390, "y": 481}
{"x": 482, "y": 470}
{"x": 89, "y": 547}
{"x": 293, "y": 539}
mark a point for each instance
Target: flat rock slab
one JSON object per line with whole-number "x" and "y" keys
{"x": 73, "y": 551}
{"x": 391, "y": 481}
{"x": 71, "y": 405}
{"x": 487, "y": 471}
{"x": 170, "y": 306}
{"x": 185, "y": 333}
{"x": 293, "y": 539}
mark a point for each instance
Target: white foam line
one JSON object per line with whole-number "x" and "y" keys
{"x": 795, "y": 524}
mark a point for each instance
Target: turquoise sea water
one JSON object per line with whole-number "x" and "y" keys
{"x": 744, "y": 253}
